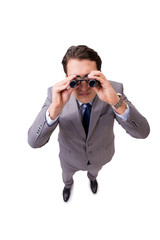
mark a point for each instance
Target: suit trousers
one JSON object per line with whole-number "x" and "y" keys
{"x": 68, "y": 171}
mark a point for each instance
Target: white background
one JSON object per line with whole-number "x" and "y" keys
{"x": 34, "y": 37}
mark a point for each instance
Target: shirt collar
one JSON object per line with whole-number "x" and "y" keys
{"x": 80, "y": 104}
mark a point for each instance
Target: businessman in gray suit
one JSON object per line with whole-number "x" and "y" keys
{"x": 85, "y": 111}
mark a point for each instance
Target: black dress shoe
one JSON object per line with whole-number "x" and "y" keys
{"x": 94, "y": 186}
{"x": 66, "y": 193}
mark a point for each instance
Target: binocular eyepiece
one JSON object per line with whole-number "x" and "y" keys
{"x": 92, "y": 82}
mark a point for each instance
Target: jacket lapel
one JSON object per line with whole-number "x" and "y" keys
{"x": 75, "y": 116}
{"x": 95, "y": 113}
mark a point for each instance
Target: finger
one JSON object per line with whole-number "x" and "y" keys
{"x": 96, "y": 89}
{"x": 64, "y": 84}
{"x": 69, "y": 78}
{"x": 70, "y": 90}
{"x": 101, "y": 80}
{"x": 72, "y": 75}
{"x": 60, "y": 88}
{"x": 95, "y": 73}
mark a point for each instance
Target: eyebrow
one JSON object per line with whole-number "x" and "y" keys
{"x": 83, "y": 76}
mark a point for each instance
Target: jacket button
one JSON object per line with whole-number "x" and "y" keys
{"x": 135, "y": 124}
{"x": 89, "y": 144}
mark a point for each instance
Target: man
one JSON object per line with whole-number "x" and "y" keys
{"x": 85, "y": 114}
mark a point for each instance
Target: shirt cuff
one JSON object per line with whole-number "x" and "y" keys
{"x": 50, "y": 122}
{"x": 125, "y": 115}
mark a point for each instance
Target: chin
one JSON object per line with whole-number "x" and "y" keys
{"x": 84, "y": 99}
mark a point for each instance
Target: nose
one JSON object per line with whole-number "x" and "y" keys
{"x": 84, "y": 86}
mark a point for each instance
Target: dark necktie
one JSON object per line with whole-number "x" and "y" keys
{"x": 86, "y": 117}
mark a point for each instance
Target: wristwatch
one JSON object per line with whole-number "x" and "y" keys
{"x": 120, "y": 101}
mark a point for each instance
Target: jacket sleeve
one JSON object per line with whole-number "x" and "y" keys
{"x": 136, "y": 125}
{"x": 39, "y": 133}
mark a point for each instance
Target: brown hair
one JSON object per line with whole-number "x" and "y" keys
{"x": 81, "y": 52}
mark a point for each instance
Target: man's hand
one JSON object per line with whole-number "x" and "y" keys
{"x": 106, "y": 92}
{"x": 61, "y": 93}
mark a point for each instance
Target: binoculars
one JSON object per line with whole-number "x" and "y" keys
{"x": 92, "y": 82}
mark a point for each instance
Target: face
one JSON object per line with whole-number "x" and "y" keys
{"x": 83, "y": 92}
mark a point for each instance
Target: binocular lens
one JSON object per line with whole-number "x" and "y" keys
{"x": 92, "y": 83}
{"x": 73, "y": 84}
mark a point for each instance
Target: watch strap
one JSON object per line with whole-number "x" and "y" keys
{"x": 120, "y": 101}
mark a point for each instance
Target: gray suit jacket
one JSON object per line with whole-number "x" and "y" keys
{"x": 98, "y": 147}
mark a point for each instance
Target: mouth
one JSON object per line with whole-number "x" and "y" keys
{"x": 84, "y": 94}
